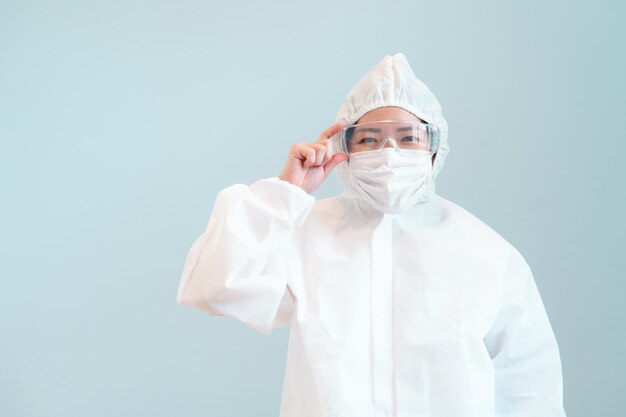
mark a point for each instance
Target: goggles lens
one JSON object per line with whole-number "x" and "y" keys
{"x": 401, "y": 135}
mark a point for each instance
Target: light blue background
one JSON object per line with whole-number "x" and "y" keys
{"x": 121, "y": 120}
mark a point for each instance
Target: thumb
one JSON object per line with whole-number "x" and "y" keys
{"x": 336, "y": 159}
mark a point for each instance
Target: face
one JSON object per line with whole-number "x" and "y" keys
{"x": 390, "y": 113}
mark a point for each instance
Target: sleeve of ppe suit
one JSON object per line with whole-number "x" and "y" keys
{"x": 235, "y": 267}
{"x": 523, "y": 349}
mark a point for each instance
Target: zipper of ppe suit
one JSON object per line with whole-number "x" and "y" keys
{"x": 381, "y": 309}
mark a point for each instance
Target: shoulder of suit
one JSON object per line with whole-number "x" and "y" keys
{"x": 466, "y": 220}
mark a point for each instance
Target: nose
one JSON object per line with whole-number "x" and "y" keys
{"x": 389, "y": 142}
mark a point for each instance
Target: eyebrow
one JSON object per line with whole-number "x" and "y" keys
{"x": 375, "y": 130}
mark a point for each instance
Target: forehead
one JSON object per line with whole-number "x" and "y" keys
{"x": 388, "y": 113}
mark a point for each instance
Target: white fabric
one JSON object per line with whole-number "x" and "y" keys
{"x": 391, "y": 181}
{"x": 426, "y": 313}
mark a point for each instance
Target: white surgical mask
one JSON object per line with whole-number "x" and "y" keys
{"x": 391, "y": 181}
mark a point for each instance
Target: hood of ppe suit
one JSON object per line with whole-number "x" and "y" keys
{"x": 392, "y": 82}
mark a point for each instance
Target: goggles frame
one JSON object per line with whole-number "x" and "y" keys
{"x": 342, "y": 141}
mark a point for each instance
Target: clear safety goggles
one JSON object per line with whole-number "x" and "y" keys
{"x": 401, "y": 135}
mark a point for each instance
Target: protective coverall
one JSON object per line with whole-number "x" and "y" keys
{"x": 425, "y": 313}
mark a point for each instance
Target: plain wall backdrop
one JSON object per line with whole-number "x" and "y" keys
{"x": 121, "y": 120}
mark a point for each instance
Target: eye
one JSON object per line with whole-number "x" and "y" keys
{"x": 368, "y": 140}
{"x": 410, "y": 139}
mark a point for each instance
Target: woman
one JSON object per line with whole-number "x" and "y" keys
{"x": 400, "y": 302}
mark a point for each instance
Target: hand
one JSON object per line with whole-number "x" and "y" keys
{"x": 309, "y": 164}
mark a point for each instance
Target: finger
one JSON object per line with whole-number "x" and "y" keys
{"x": 299, "y": 151}
{"x": 305, "y": 153}
{"x": 330, "y": 131}
{"x": 310, "y": 157}
{"x": 320, "y": 152}
{"x": 334, "y": 161}
{"x": 328, "y": 152}
{"x": 328, "y": 149}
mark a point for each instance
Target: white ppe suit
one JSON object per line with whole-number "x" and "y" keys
{"x": 424, "y": 313}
